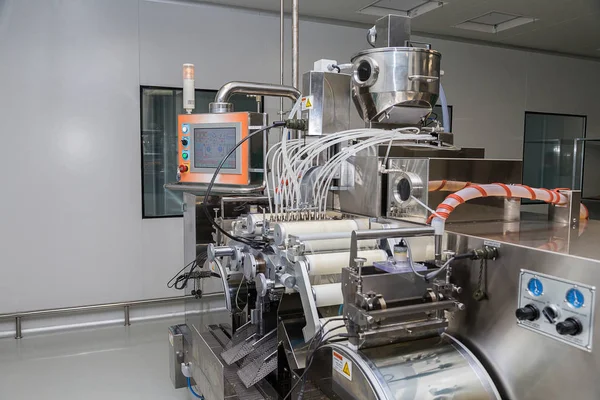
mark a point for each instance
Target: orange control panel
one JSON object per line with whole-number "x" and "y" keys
{"x": 205, "y": 139}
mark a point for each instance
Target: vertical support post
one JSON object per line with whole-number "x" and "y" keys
{"x": 127, "y": 320}
{"x": 18, "y": 329}
{"x": 281, "y": 51}
{"x": 295, "y": 45}
{"x": 438, "y": 241}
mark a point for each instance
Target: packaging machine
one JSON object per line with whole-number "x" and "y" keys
{"x": 341, "y": 277}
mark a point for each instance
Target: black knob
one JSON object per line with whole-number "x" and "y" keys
{"x": 527, "y": 313}
{"x": 184, "y": 141}
{"x": 551, "y": 313}
{"x": 569, "y": 326}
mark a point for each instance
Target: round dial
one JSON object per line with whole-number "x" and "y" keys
{"x": 535, "y": 287}
{"x": 575, "y": 298}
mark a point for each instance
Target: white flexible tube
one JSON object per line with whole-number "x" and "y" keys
{"x": 499, "y": 190}
{"x": 455, "y": 186}
{"x": 329, "y": 168}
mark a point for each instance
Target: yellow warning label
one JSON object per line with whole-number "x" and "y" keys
{"x": 342, "y": 365}
{"x": 307, "y": 103}
{"x": 346, "y": 369}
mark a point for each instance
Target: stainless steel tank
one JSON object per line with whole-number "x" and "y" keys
{"x": 395, "y": 85}
{"x": 428, "y": 369}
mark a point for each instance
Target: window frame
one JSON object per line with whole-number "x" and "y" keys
{"x": 173, "y": 88}
{"x": 585, "y": 126}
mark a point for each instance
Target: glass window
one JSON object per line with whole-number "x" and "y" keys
{"x": 552, "y": 151}
{"x": 159, "y": 110}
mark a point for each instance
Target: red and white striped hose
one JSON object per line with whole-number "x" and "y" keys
{"x": 472, "y": 191}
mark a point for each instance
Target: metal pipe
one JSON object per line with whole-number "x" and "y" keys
{"x": 393, "y": 233}
{"x": 438, "y": 240}
{"x": 257, "y": 89}
{"x": 127, "y": 322}
{"x": 220, "y": 189}
{"x": 295, "y": 45}
{"x": 104, "y": 306}
{"x": 281, "y": 50}
{"x": 18, "y": 330}
{"x": 413, "y": 309}
{"x": 385, "y": 234}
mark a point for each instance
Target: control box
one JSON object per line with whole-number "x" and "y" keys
{"x": 206, "y": 139}
{"x": 558, "y": 308}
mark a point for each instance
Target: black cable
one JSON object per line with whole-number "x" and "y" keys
{"x": 318, "y": 333}
{"x": 310, "y": 360}
{"x": 252, "y": 243}
{"x": 175, "y": 281}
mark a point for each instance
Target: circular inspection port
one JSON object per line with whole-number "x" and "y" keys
{"x": 406, "y": 185}
{"x": 363, "y": 71}
{"x": 404, "y": 189}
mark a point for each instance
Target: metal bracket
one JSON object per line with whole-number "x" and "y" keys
{"x": 309, "y": 304}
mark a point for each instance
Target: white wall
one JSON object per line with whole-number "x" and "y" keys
{"x": 70, "y": 73}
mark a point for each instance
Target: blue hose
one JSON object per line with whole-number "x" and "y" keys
{"x": 341, "y": 310}
{"x": 189, "y": 382}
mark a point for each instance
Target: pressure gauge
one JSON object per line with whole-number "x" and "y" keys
{"x": 535, "y": 287}
{"x": 575, "y": 298}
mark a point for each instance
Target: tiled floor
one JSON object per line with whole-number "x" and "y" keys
{"x": 106, "y": 363}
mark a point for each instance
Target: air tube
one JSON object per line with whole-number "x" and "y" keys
{"x": 501, "y": 190}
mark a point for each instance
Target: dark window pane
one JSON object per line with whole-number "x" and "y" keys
{"x": 552, "y": 157}
{"x": 159, "y": 110}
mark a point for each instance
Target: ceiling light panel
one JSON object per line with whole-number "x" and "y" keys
{"x": 408, "y": 8}
{"x": 494, "y": 22}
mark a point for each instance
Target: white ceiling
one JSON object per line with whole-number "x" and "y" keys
{"x": 561, "y": 26}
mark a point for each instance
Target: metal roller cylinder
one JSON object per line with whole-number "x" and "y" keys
{"x": 328, "y": 295}
{"x": 332, "y": 263}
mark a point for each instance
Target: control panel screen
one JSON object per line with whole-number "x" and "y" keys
{"x": 211, "y": 145}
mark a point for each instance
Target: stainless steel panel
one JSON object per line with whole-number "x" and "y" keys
{"x": 330, "y": 96}
{"x": 209, "y": 371}
{"x": 527, "y": 365}
{"x": 176, "y": 356}
{"x": 435, "y": 369}
{"x": 535, "y": 231}
{"x": 392, "y": 31}
{"x": 365, "y": 197}
{"x": 418, "y": 173}
{"x": 395, "y": 85}
{"x": 553, "y": 293}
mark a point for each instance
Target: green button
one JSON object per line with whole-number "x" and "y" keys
{"x": 185, "y": 156}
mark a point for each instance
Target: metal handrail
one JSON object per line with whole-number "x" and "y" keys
{"x": 18, "y": 316}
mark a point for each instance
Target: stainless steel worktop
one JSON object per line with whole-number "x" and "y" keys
{"x": 534, "y": 230}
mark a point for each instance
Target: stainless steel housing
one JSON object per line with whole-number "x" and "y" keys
{"x": 428, "y": 369}
{"x": 395, "y": 85}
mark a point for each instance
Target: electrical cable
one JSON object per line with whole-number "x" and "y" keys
{"x": 429, "y": 275}
{"x": 308, "y": 349}
{"x": 310, "y": 360}
{"x": 194, "y": 263}
{"x": 251, "y": 243}
{"x": 189, "y": 384}
{"x": 237, "y": 294}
